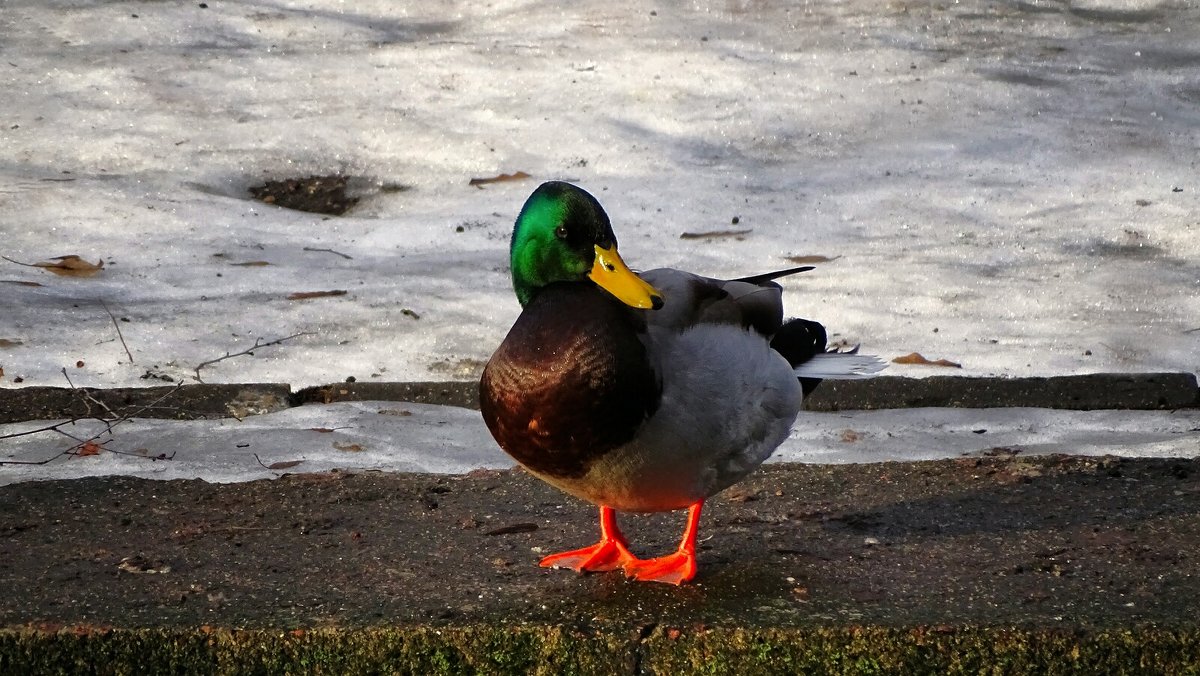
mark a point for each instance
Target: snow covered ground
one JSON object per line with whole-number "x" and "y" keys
{"x": 1009, "y": 185}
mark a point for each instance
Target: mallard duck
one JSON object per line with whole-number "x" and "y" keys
{"x": 642, "y": 393}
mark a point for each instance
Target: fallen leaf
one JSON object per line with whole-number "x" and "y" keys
{"x": 284, "y": 464}
{"x": 515, "y": 176}
{"x": 849, "y": 436}
{"x": 71, "y": 266}
{"x": 88, "y": 448}
{"x": 394, "y": 411}
{"x": 352, "y": 448}
{"x": 1, "y": 371}
{"x": 917, "y": 358}
{"x": 250, "y": 264}
{"x": 741, "y": 495}
{"x": 20, "y": 282}
{"x": 141, "y": 565}
{"x": 4, "y": 342}
{"x": 305, "y": 295}
{"x": 815, "y": 258}
{"x": 714, "y": 234}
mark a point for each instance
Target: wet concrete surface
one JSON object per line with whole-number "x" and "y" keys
{"x": 1052, "y": 542}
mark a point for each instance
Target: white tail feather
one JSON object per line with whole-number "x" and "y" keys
{"x": 840, "y": 366}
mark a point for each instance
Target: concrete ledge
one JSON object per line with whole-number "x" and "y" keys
{"x": 1128, "y": 391}
{"x": 462, "y": 393}
{"x": 189, "y": 402}
{"x": 1089, "y": 392}
{"x": 1014, "y": 565}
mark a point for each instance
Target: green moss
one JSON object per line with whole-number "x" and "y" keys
{"x": 486, "y": 649}
{"x": 866, "y": 650}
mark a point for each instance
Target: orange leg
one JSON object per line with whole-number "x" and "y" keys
{"x": 610, "y": 553}
{"x": 675, "y": 568}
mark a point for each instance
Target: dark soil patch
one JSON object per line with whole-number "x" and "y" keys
{"x": 315, "y": 194}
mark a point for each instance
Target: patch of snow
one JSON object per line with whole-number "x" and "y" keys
{"x": 405, "y": 437}
{"x": 1009, "y": 186}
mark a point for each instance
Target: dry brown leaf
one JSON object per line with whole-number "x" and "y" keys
{"x": 89, "y": 448}
{"x": 284, "y": 464}
{"x": 305, "y": 295}
{"x": 71, "y": 266}
{"x": 1, "y": 371}
{"x": 849, "y": 436}
{"x": 918, "y": 358}
{"x": 4, "y": 342}
{"x": 515, "y": 176}
{"x": 714, "y": 234}
{"x": 352, "y": 448}
{"x": 814, "y": 258}
{"x": 20, "y": 282}
{"x": 250, "y": 264}
{"x": 394, "y": 411}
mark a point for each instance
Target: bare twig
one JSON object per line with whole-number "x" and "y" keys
{"x": 108, "y": 427}
{"x": 118, "y": 328}
{"x": 28, "y": 265}
{"x": 47, "y": 428}
{"x": 248, "y": 351}
{"x": 276, "y": 466}
{"x": 336, "y": 253}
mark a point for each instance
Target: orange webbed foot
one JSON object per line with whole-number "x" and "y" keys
{"x": 610, "y": 553}
{"x": 602, "y": 556}
{"x": 674, "y": 568}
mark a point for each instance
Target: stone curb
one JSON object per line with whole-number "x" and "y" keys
{"x": 1126, "y": 391}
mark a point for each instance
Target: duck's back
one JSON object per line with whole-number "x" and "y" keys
{"x": 570, "y": 382}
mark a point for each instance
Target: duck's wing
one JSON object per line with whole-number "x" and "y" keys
{"x": 753, "y": 302}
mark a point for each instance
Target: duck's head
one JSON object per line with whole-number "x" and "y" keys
{"x": 563, "y": 235}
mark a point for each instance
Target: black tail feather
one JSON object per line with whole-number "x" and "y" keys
{"x": 798, "y": 340}
{"x": 769, "y": 276}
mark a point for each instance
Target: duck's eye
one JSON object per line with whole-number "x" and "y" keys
{"x": 561, "y": 232}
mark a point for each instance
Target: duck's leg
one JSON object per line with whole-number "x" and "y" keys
{"x": 675, "y": 568}
{"x": 610, "y": 553}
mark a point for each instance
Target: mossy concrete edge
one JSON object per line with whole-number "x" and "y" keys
{"x": 652, "y": 649}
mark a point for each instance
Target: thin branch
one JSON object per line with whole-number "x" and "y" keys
{"x": 108, "y": 427}
{"x": 28, "y": 265}
{"x": 48, "y": 428}
{"x": 336, "y": 253}
{"x": 118, "y": 328}
{"x": 248, "y": 351}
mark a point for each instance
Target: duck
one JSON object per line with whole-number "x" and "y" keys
{"x": 642, "y": 392}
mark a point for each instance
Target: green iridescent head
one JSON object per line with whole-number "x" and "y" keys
{"x": 563, "y": 235}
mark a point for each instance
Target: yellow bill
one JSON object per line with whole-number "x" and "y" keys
{"x": 611, "y": 273}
